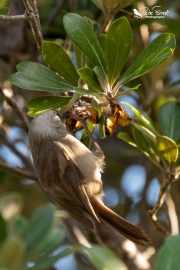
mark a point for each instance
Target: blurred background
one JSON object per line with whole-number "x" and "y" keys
{"x": 131, "y": 181}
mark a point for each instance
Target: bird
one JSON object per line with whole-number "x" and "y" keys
{"x": 70, "y": 174}
{"x": 137, "y": 13}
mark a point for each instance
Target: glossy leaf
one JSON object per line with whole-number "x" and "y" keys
{"x": 39, "y": 225}
{"x": 157, "y": 51}
{"x": 83, "y": 91}
{"x": 58, "y": 59}
{"x": 35, "y": 76}
{"x": 169, "y": 118}
{"x": 168, "y": 255}
{"x": 89, "y": 77}
{"x": 119, "y": 43}
{"x": 80, "y": 57}
{"x": 103, "y": 258}
{"x": 101, "y": 78}
{"x": 82, "y": 34}
{"x": 103, "y": 43}
{"x": 40, "y": 104}
{"x": 168, "y": 149}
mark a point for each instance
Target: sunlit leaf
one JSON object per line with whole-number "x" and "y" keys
{"x": 157, "y": 51}
{"x": 40, "y": 104}
{"x": 168, "y": 149}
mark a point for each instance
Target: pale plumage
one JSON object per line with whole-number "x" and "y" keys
{"x": 71, "y": 175}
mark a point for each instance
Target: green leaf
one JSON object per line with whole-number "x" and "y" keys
{"x": 145, "y": 144}
{"x": 39, "y": 225}
{"x": 168, "y": 149}
{"x": 119, "y": 43}
{"x": 40, "y": 104}
{"x": 52, "y": 240}
{"x": 169, "y": 116}
{"x": 168, "y": 255}
{"x": 89, "y": 77}
{"x": 82, "y": 34}
{"x": 35, "y": 76}
{"x": 127, "y": 92}
{"x": 157, "y": 51}
{"x": 98, "y": 3}
{"x": 99, "y": 109}
{"x": 103, "y": 258}
{"x": 50, "y": 260}
{"x": 3, "y": 230}
{"x": 80, "y": 57}
{"x": 125, "y": 137}
{"x": 85, "y": 139}
{"x": 142, "y": 118}
{"x": 83, "y": 91}
{"x": 4, "y": 11}
{"x": 20, "y": 224}
{"x": 101, "y": 78}
{"x": 103, "y": 43}
{"x": 58, "y": 59}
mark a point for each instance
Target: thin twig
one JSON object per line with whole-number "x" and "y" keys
{"x": 10, "y": 100}
{"x": 22, "y": 17}
{"x": 18, "y": 171}
{"x": 31, "y": 14}
{"x": 12, "y": 147}
{"x": 158, "y": 204}
{"x": 172, "y": 214}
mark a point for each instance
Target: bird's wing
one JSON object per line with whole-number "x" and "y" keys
{"x": 73, "y": 180}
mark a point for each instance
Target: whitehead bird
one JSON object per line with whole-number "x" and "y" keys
{"x": 137, "y": 13}
{"x": 71, "y": 175}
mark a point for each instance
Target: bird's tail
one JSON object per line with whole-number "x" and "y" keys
{"x": 132, "y": 232}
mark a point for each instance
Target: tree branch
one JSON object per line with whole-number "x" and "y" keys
{"x": 158, "y": 204}
{"x": 10, "y": 100}
{"x": 18, "y": 171}
{"x": 31, "y": 14}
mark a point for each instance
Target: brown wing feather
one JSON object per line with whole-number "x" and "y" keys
{"x": 73, "y": 181}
